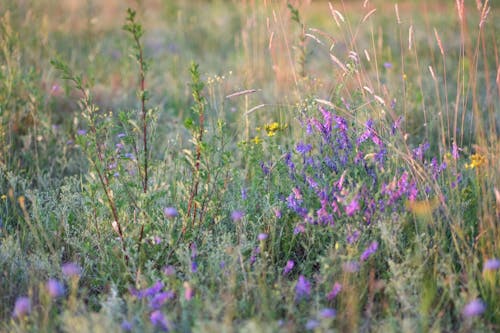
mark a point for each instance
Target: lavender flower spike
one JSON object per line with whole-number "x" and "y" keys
{"x": 302, "y": 288}
{"x": 371, "y": 249}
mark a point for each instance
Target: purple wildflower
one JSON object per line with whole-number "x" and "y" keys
{"x": 377, "y": 140}
{"x": 303, "y": 148}
{"x": 262, "y": 236}
{"x": 327, "y": 313}
{"x": 159, "y": 299}
{"x": 277, "y": 213}
{"x": 302, "y": 288}
{"x": 474, "y": 308}
{"x": 352, "y": 207}
{"x": 194, "y": 266}
{"x": 294, "y": 202}
{"x": 341, "y": 123}
{"x": 353, "y": 237}
{"x": 253, "y": 257}
{"x": 418, "y": 153}
{"x": 126, "y": 326}
{"x": 244, "y": 195}
{"x": 324, "y": 217}
{"x": 387, "y": 65}
{"x": 121, "y": 135}
{"x": 337, "y": 287}
{"x": 312, "y": 324}
{"x": 71, "y": 269}
{"x": 148, "y": 292}
{"x": 457, "y": 180}
{"x": 326, "y": 127}
{"x": 170, "y": 212}
{"x": 265, "y": 169}
{"x": 55, "y": 288}
{"x": 364, "y": 136}
{"x": 158, "y": 320}
{"x": 396, "y": 125}
{"x": 237, "y": 215}
{"x": 288, "y": 161}
{"x": 288, "y": 267}
{"x": 22, "y": 307}
{"x": 491, "y": 265}
{"x": 380, "y": 155}
{"x": 412, "y": 191}
{"x": 312, "y": 183}
{"x": 81, "y": 132}
{"x": 112, "y": 165}
{"x": 299, "y": 228}
{"x": 371, "y": 249}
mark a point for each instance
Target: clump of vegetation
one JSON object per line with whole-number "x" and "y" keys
{"x": 334, "y": 177}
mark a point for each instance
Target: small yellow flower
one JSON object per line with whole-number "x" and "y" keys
{"x": 476, "y": 160}
{"x": 273, "y": 128}
{"x": 4, "y": 197}
{"x": 256, "y": 140}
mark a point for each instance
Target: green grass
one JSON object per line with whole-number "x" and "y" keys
{"x": 284, "y": 167}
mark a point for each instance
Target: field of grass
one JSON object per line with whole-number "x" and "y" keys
{"x": 249, "y": 166}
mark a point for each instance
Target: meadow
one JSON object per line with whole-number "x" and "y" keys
{"x": 249, "y": 166}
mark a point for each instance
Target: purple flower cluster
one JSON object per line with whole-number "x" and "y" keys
{"x": 371, "y": 249}
{"x": 334, "y": 179}
{"x": 337, "y": 288}
{"x": 302, "y": 288}
{"x": 157, "y": 297}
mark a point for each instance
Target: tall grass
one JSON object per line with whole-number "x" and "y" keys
{"x": 274, "y": 166}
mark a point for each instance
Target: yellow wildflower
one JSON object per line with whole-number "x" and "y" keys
{"x": 272, "y": 128}
{"x": 476, "y": 160}
{"x": 256, "y": 140}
